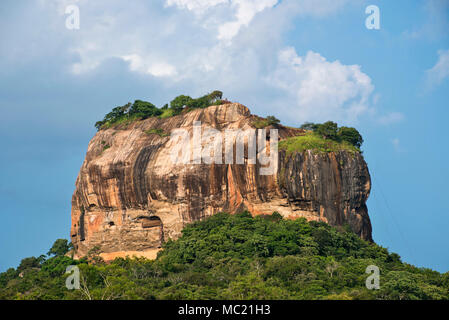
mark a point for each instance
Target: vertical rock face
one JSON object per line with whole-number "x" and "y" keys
{"x": 131, "y": 196}
{"x": 335, "y": 185}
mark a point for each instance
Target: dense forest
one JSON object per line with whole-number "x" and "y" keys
{"x": 233, "y": 257}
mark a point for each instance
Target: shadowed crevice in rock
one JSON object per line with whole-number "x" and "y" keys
{"x": 140, "y": 182}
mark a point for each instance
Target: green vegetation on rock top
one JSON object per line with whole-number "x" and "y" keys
{"x": 140, "y": 110}
{"x": 234, "y": 257}
{"x": 326, "y": 137}
{"x": 268, "y": 121}
{"x": 314, "y": 142}
{"x": 330, "y": 130}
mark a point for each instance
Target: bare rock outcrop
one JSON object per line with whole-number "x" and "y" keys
{"x": 130, "y": 196}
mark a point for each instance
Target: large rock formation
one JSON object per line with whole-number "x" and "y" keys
{"x": 130, "y": 196}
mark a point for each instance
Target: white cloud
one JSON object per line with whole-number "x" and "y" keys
{"x": 397, "y": 145}
{"x": 162, "y": 69}
{"x": 135, "y": 62}
{"x": 166, "y": 43}
{"x": 390, "y": 118}
{"x": 157, "y": 69}
{"x": 322, "y": 90}
{"x": 232, "y": 45}
{"x": 199, "y": 6}
{"x": 246, "y": 10}
{"x": 440, "y": 70}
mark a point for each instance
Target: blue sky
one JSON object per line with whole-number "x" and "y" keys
{"x": 299, "y": 60}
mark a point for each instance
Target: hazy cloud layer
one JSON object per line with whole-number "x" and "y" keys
{"x": 440, "y": 71}
{"x": 436, "y": 24}
{"x": 193, "y": 46}
{"x": 391, "y": 118}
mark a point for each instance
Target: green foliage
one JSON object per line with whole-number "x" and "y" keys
{"x": 350, "y": 135}
{"x": 309, "y": 126}
{"x": 128, "y": 113}
{"x": 143, "y": 110}
{"x": 29, "y": 263}
{"x": 60, "y": 247}
{"x": 118, "y": 113}
{"x": 268, "y": 121}
{"x": 315, "y": 142}
{"x": 159, "y": 132}
{"x": 235, "y": 257}
{"x": 330, "y": 130}
{"x": 6, "y": 276}
{"x": 272, "y": 120}
{"x": 215, "y": 96}
{"x": 182, "y": 101}
{"x": 260, "y": 123}
{"x": 404, "y": 285}
{"x": 178, "y": 103}
{"x": 140, "y": 110}
{"x": 167, "y": 113}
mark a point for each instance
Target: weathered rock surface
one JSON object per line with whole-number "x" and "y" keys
{"x": 130, "y": 196}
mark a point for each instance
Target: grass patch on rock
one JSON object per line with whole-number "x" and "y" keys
{"x": 314, "y": 142}
{"x": 159, "y": 132}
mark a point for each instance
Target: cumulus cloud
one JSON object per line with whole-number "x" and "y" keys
{"x": 320, "y": 89}
{"x": 162, "y": 69}
{"x": 186, "y": 47}
{"x": 245, "y": 10}
{"x": 440, "y": 71}
{"x": 157, "y": 69}
{"x": 170, "y": 43}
